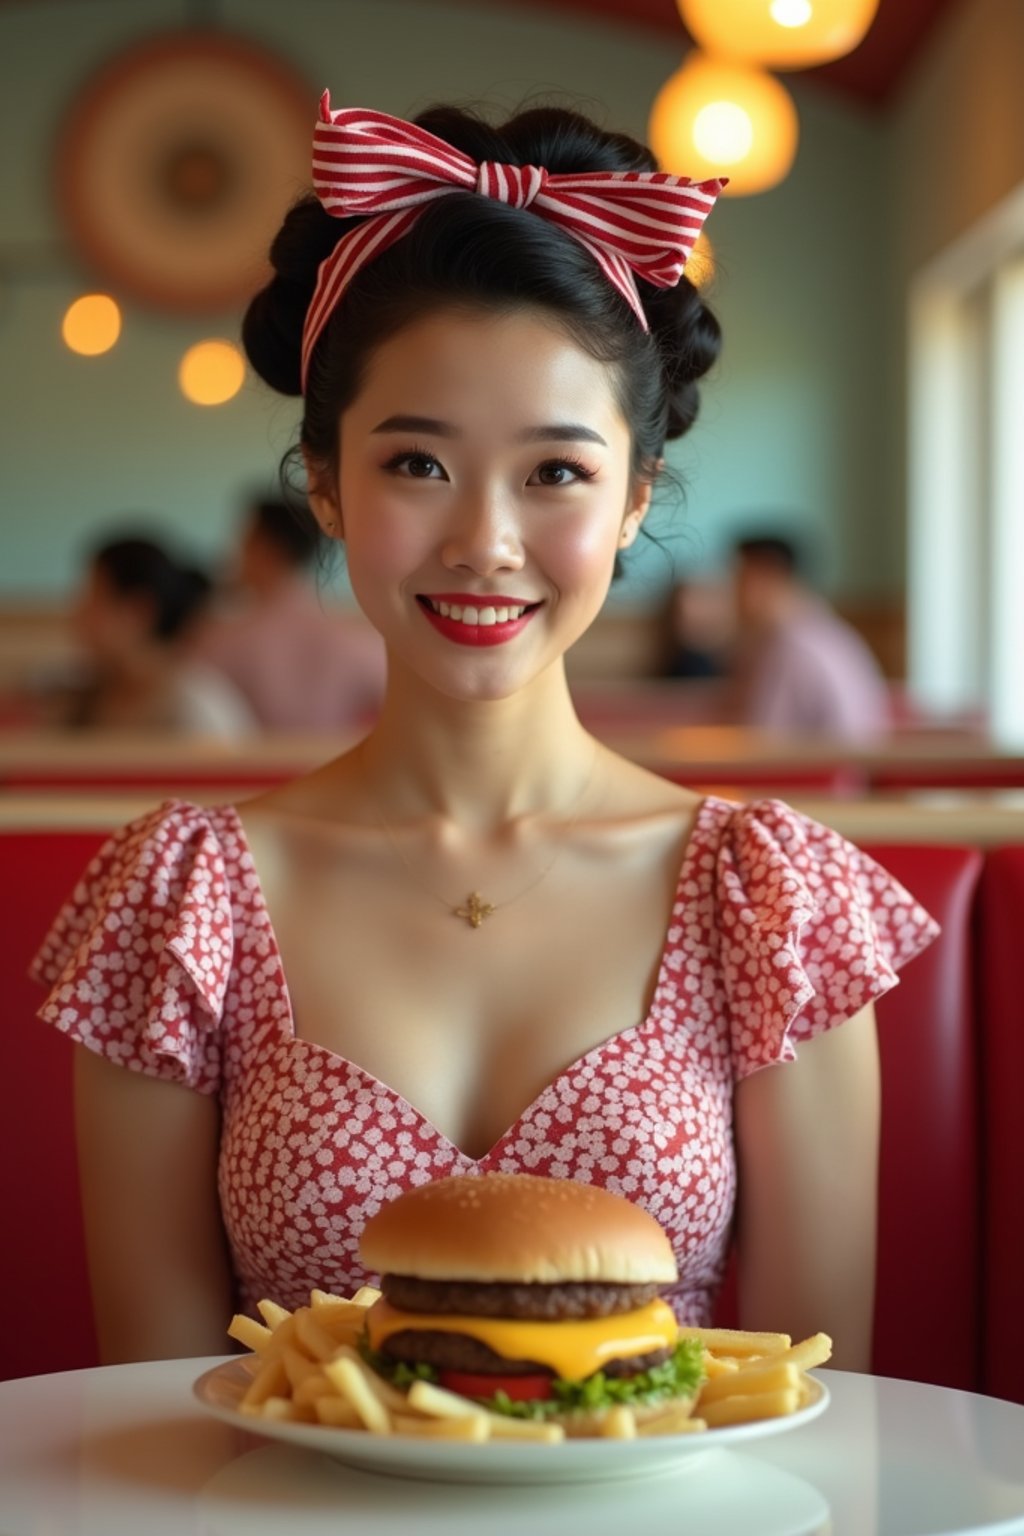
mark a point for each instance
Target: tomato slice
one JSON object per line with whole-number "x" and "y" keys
{"x": 518, "y": 1388}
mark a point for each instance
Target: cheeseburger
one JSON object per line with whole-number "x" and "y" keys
{"x": 538, "y": 1297}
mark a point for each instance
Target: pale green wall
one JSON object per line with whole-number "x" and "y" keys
{"x": 797, "y": 418}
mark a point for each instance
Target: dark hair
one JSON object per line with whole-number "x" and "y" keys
{"x": 137, "y": 567}
{"x": 292, "y": 530}
{"x": 467, "y": 251}
{"x": 771, "y": 552}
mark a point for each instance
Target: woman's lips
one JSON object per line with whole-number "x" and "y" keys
{"x": 498, "y": 632}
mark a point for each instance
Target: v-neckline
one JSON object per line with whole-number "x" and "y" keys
{"x": 398, "y": 1099}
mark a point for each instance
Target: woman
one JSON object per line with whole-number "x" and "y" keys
{"x": 132, "y": 617}
{"x": 480, "y": 940}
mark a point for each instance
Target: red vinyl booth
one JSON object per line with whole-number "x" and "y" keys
{"x": 947, "y": 773}
{"x": 50, "y": 1327}
{"x": 1001, "y": 1003}
{"x": 928, "y": 1302}
{"x": 842, "y": 780}
{"x": 929, "y": 1286}
{"x": 928, "y": 1294}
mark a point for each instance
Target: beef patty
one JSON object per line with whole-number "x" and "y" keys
{"x": 544, "y": 1303}
{"x": 457, "y": 1352}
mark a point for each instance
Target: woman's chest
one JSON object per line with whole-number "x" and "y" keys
{"x": 314, "y": 1144}
{"x": 469, "y": 1024}
{"x": 466, "y": 1024}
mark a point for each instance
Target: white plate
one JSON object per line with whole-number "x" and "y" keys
{"x": 495, "y": 1461}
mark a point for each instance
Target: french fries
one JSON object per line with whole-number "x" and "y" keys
{"x": 306, "y": 1367}
{"x": 754, "y": 1375}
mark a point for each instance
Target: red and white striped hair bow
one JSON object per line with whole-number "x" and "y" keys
{"x": 386, "y": 170}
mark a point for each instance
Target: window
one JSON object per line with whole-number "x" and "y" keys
{"x": 966, "y": 476}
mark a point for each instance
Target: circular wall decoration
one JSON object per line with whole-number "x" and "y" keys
{"x": 176, "y": 164}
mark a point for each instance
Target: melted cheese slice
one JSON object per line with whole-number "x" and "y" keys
{"x": 573, "y": 1349}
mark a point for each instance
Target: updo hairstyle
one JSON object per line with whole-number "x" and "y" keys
{"x": 469, "y": 251}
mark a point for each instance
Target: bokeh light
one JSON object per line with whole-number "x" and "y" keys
{"x": 791, "y": 13}
{"x": 723, "y": 132}
{"x": 717, "y": 118}
{"x": 91, "y": 325}
{"x": 211, "y": 372}
{"x": 778, "y": 34}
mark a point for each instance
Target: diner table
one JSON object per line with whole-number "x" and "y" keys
{"x": 128, "y": 1451}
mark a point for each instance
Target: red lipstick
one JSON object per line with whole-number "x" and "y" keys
{"x": 477, "y": 634}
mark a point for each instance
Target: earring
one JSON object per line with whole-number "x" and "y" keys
{"x": 331, "y": 526}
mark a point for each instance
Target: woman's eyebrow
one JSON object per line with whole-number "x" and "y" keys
{"x": 558, "y": 431}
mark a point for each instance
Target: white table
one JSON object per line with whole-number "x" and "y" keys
{"x": 125, "y": 1451}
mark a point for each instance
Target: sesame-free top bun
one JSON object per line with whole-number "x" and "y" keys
{"x": 516, "y": 1227}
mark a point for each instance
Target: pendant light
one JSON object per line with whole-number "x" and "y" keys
{"x": 780, "y": 34}
{"x": 717, "y": 118}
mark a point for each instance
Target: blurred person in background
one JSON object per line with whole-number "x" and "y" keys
{"x": 131, "y": 617}
{"x": 299, "y": 666}
{"x": 799, "y": 666}
{"x": 698, "y": 630}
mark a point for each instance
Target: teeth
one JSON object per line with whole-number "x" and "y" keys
{"x": 470, "y": 615}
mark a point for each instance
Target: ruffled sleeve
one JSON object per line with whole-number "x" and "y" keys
{"x": 139, "y": 957}
{"x": 811, "y": 931}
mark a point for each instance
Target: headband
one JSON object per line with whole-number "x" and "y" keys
{"x": 388, "y": 171}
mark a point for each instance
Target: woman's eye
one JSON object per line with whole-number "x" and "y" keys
{"x": 415, "y": 466}
{"x": 561, "y": 472}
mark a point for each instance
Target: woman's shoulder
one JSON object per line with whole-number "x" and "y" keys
{"x": 171, "y": 831}
{"x": 138, "y": 959}
{"x": 178, "y": 857}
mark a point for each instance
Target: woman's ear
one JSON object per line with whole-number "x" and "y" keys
{"x": 639, "y": 503}
{"x": 322, "y": 495}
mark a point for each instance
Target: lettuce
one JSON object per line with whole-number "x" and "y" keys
{"x": 679, "y": 1376}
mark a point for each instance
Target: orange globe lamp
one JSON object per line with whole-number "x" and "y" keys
{"x": 780, "y": 34}
{"x": 211, "y": 372}
{"x": 92, "y": 324}
{"x": 718, "y": 118}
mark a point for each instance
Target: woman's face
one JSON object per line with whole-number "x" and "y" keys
{"x": 484, "y": 490}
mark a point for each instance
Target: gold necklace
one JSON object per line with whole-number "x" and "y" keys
{"x": 474, "y": 910}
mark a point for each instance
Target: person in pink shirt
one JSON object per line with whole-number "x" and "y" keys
{"x": 299, "y": 665}
{"x": 800, "y": 667}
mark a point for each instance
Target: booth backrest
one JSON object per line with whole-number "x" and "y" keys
{"x": 1001, "y": 1004}
{"x": 930, "y": 1260}
{"x": 929, "y": 1248}
{"x": 47, "y": 1288}
{"x": 929, "y": 1256}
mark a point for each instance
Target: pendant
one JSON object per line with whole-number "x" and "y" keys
{"x": 474, "y": 910}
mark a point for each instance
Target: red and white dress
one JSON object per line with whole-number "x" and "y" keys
{"x": 164, "y": 960}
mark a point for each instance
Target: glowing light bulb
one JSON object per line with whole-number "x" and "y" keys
{"x": 791, "y": 13}
{"x": 91, "y": 325}
{"x": 211, "y": 372}
{"x": 778, "y": 34}
{"x": 714, "y": 117}
{"x": 723, "y": 132}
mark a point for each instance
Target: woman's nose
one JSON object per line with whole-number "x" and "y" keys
{"x": 484, "y": 537}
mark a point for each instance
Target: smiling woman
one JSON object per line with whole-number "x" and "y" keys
{"x": 492, "y": 507}
{"x": 494, "y": 338}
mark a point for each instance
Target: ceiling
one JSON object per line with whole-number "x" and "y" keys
{"x": 873, "y": 72}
